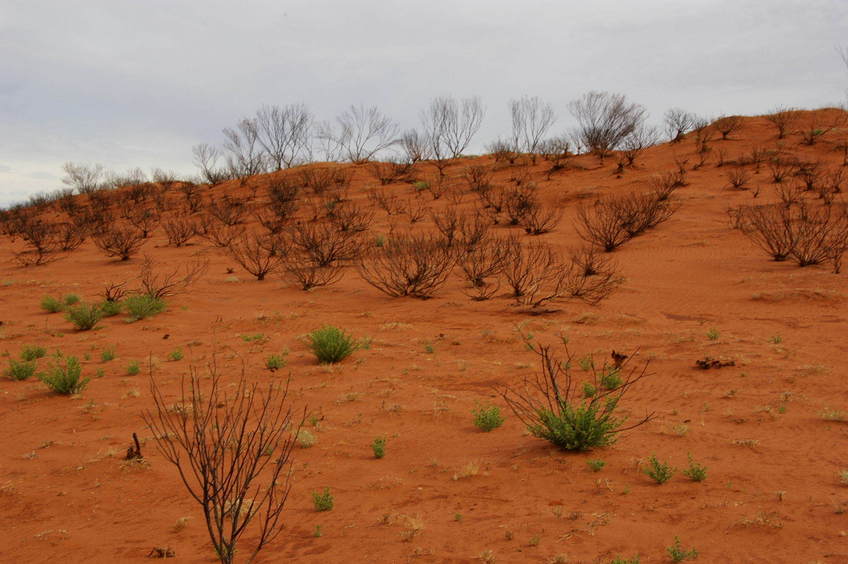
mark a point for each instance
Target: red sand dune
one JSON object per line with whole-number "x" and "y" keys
{"x": 446, "y": 492}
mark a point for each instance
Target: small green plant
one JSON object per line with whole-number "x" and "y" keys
{"x": 379, "y": 241}
{"x": 317, "y": 532}
{"x": 85, "y": 317}
{"x": 175, "y": 355}
{"x": 660, "y": 472}
{"x": 323, "y": 501}
{"x": 71, "y": 299}
{"x": 110, "y": 308}
{"x": 65, "y": 376}
{"x": 622, "y": 560}
{"x": 843, "y": 477}
{"x": 276, "y": 362}
{"x": 776, "y": 340}
{"x": 379, "y": 447}
{"x": 108, "y": 354}
{"x": 695, "y": 472}
{"x": 33, "y": 352}
{"x": 611, "y": 379}
{"x": 586, "y": 363}
{"x": 254, "y": 338}
{"x": 457, "y": 517}
{"x": 487, "y": 418}
{"x": 420, "y": 185}
{"x": 51, "y": 304}
{"x": 589, "y": 390}
{"x": 142, "y": 306}
{"x": 331, "y": 345}
{"x": 596, "y": 465}
{"x": 20, "y": 370}
{"x": 428, "y": 348}
{"x": 133, "y": 368}
{"x": 679, "y": 554}
{"x": 713, "y": 334}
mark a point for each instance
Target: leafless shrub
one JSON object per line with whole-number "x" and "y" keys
{"x": 482, "y": 262}
{"x": 351, "y": 217}
{"x": 390, "y": 171}
{"x": 557, "y": 151}
{"x": 782, "y": 118}
{"x": 813, "y": 129}
{"x": 206, "y": 159}
{"x": 191, "y": 196}
{"x": 69, "y": 237}
{"x": 245, "y": 157}
{"x": 639, "y": 212}
{"x": 810, "y": 174}
{"x": 820, "y": 231}
{"x": 41, "y": 238}
{"x": 790, "y": 194}
{"x": 600, "y": 224}
{"x": 284, "y": 133}
{"x": 478, "y": 178}
{"x": 408, "y": 265}
{"x": 518, "y": 202}
{"x": 637, "y": 141}
{"x": 678, "y": 123}
{"x": 133, "y": 177}
{"x": 233, "y": 451}
{"x": 119, "y": 240}
{"x": 663, "y": 185}
{"x": 257, "y": 254}
{"x": 165, "y": 178}
{"x": 114, "y": 291}
{"x": 727, "y": 125}
{"x": 83, "y": 178}
{"x": 416, "y": 146}
{"x": 831, "y": 185}
{"x": 540, "y": 218}
{"x": 384, "y": 200}
{"x": 590, "y": 261}
{"x": 362, "y": 133}
{"x": 179, "y": 230}
{"x": 319, "y": 179}
{"x": 769, "y": 227}
{"x": 738, "y": 176}
{"x": 92, "y": 221}
{"x": 217, "y": 233}
{"x": 502, "y": 151}
{"x": 450, "y": 124}
{"x": 604, "y": 120}
{"x": 531, "y": 120}
{"x": 307, "y": 275}
{"x": 144, "y": 219}
{"x": 781, "y": 168}
{"x": 414, "y": 209}
{"x": 161, "y": 284}
{"x": 227, "y": 210}
{"x": 324, "y": 243}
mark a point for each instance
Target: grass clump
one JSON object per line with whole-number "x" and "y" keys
{"x": 487, "y": 418}
{"x": 379, "y": 447}
{"x": 622, "y": 560}
{"x": 713, "y": 334}
{"x": 51, "y": 304}
{"x": 33, "y": 352}
{"x": 305, "y": 439}
{"x": 108, "y": 354}
{"x": 142, "y": 306}
{"x": 20, "y": 370}
{"x": 695, "y": 472}
{"x": 65, "y": 376}
{"x": 678, "y": 554}
{"x": 276, "y": 362}
{"x": 133, "y": 368}
{"x": 660, "y": 472}
{"x": 85, "y": 317}
{"x": 323, "y": 501}
{"x": 596, "y": 465}
{"x": 331, "y": 345}
{"x": 175, "y": 355}
{"x": 71, "y": 299}
{"x": 110, "y": 308}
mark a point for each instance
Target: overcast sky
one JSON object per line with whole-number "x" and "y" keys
{"x": 137, "y": 83}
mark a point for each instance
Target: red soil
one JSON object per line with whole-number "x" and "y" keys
{"x": 772, "y": 494}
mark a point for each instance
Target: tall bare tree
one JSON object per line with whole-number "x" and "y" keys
{"x": 531, "y": 120}
{"x": 678, "y": 123}
{"x": 82, "y": 178}
{"x": 604, "y": 120}
{"x": 206, "y": 159}
{"x": 450, "y": 124}
{"x": 362, "y": 133}
{"x": 245, "y": 152}
{"x": 284, "y": 133}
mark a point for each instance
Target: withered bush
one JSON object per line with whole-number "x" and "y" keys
{"x": 324, "y": 243}
{"x": 227, "y": 210}
{"x": 462, "y": 230}
{"x": 191, "y": 196}
{"x": 408, "y": 265}
{"x": 180, "y": 230}
{"x": 414, "y": 208}
{"x": 320, "y": 179}
{"x": 258, "y": 254}
{"x": 663, "y": 185}
{"x": 158, "y": 283}
{"x": 303, "y": 270}
{"x": 809, "y": 173}
{"x": 781, "y": 168}
{"x": 69, "y": 237}
{"x": 612, "y": 221}
{"x": 727, "y": 125}
{"x": 540, "y": 218}
{"x": 42, "y": 240}
{"x": 384, "y": 200}
{"x": 519, "y": 201}
{"x": 233, "y": 447}
{"x": 478, "y": 178}
{"x": 144, "y": 219}
{"x": 738, "y": 177}
{"x": 391, "y": 171}
{"x": 482, "y": 262}
{"x": 351, "y": 217}
{"x": 782, "y": 119}
{"x": 120, "y": 240}
{"x": 217, "y": 233}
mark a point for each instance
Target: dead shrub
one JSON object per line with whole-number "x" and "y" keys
{"x": 120, "y": 240}
{"x": 782, "y": 119}
{"x": 351, "y": 217}
{"x": 179, "y": 230}
{"x": 257, "y": 254}
{"x": 727, "y": 125}
{"x": 227, "y": 210}
{"x": 390, "y": 172}
{"x": 217, "y": 233}
{"x": 781, "y": 168}
{"x": 324, "y": 243}
{"x": 42, "y": 240}
{"x": 541, "y": 218}
{"x": 308, "y": 275}
{"x": 482, "y": 262}
{"x": 384, "y": 200}
{"x": 408, "y": 265}
{"x": 478, "y": 178}
{"x": 738, "y": 177}
{"x": 160, "y": 284}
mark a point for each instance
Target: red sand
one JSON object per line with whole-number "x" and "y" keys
{"x": 772, "y": 494}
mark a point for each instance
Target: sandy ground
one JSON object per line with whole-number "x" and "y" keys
{"x": 768, "y": 428}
